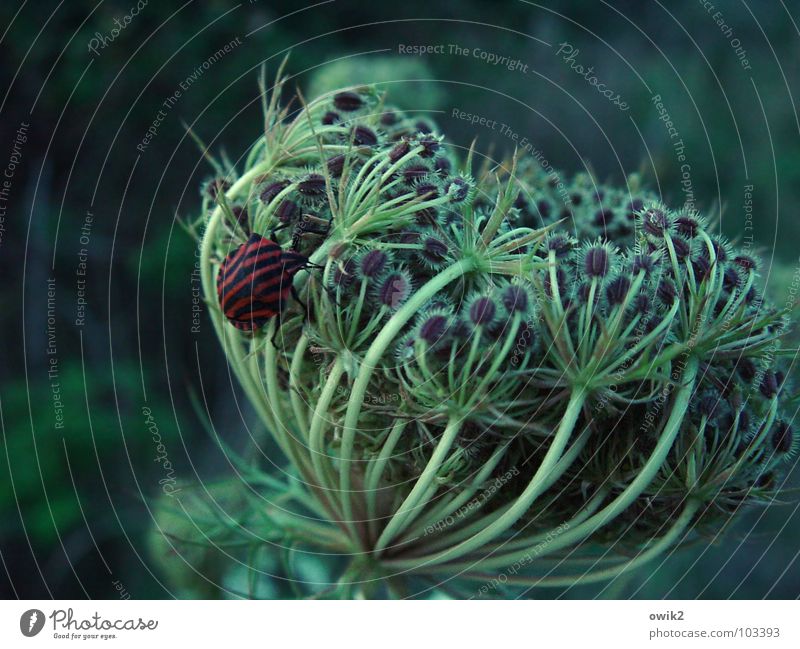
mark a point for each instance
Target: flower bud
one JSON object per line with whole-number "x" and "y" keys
{"x": 272, "y": 190}
{"x": 769, "y": 385}
{"x": 482, "y": 311}
{"x": 433, "y": 328}
{"x": 363, "y": 136}
{"x": 515, "y": 299}
{"x": 312, "y": 185}
{"x": 655, "y": 222}
{"x": 394, "y": 289}
{"x": 347, "y": 101}
{"x": 373, "y": 263}
{"x": 687, "y": 227}
{"x": 596, "y": 261}
{"x": 617, "y": 290}
{"x": 782, "y": 438}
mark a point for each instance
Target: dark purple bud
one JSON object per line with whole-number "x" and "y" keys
{"x": 585, "y": 291}
{"x": 731, "y": 278}
{"x": 603, "y": 218}
{"x": 482, "y": 311}
{"x": 708, "y": 404}
{"x": 641, "y": 303}
{"x": 634, "y": 207}
{"x": 666, "y": 292}
{"x": 426, "y": 216}
{"x": 409, "y": 237}
{"x": 576, "y": 198}
{"x": 545, "y": 208}
{"x": 617, "y": 290}
{"x": 765, "y": 480}
{"x": 286, "y": 211}
{"x": 746, "y": 368}
{"x": 560, "y": 245}
{"x": 746, "y": 262}
{"x": 312, "y": 185}
{"x": 434, "y": 250}
{"x": 330, "y": 118}
{"x": 442, "y": 167}
{"x": 744, "y": 419}
{"x": 655, "y": 222}
{"x": 336, "y": 165}
{"x": 687, "y": 227}
{"x": 769, "y": 385}
{"x": 701, "y": 267}
{"x": 433, "y": 329}
{"x": 214, "y": 187}
{"x": 373, "y": 263}
{"x": 720, "y": 250}
{"x": 782, "y": 438}
{"x": 394, "y": 290}
{"x": 682, "y": 248}
{"x": 364, "y": 136}
{"x": 399, "y": 151}
{"x": 241, "y": 216}
{"x": 389, "y": 118}
{"x": 596, "y": 263}
{"x": 428, "y": 191}
{"x": 643, "y": 263}
{"x": 457, "y": 190}
{"x": 415, "y": 172}
{"x": 429, "y": 147}
{"x": 561, "y": 283}
{"x": 423, "y": 127}
{"x": 272, "y": 190}
{"x": 515, "y": 299}
{"x": 347, "y": 101}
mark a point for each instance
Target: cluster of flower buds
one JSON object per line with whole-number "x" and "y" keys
{"x": 616, "y": 356}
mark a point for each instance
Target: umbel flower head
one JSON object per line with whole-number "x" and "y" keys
{"x": 488, "y": 369}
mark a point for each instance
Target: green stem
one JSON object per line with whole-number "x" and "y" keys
{"x": 655, "y": 549}
{"x": 371, "y": 360}
{"x": 421, "y": 486}
{"x": 316, "y": 447}
{"x": 534, "y": 489}
{"x": 583, "y": 531}
{"x": 374, "y": 476}
{"x": 452, "y": 506}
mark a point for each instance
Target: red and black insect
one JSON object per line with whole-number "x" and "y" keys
{"x": 255, "y": 280}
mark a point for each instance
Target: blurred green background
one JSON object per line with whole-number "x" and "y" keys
{"x": 76, "y": 499}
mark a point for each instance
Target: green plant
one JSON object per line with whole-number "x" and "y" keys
{"x": 502, "y": 377}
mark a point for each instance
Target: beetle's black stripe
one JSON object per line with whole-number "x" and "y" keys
{"x": 274, "y": 300}
{"x": 254, "y": 281}
{"x": 251, "y": 290}
{"x": 241, "y": 270}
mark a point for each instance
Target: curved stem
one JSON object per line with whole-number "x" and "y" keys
{"x": 370, "y": 362}
{"x": 656, "y": 548}
{"x": 452, "y": 506}
{"x": 415, "y": 498}
{"x": 298, "y": 406}
{"x": 374, "y": 476}
{"x": 535, "y": 487}
{"x": 581, "y": 532}
{"x": 318, "y": 420}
